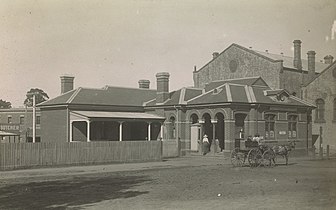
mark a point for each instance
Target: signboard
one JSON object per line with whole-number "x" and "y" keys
{"x": 9, "y": 127}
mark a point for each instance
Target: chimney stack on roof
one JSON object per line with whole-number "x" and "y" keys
{"x": 144, "y": 83}
{"x": 311, "y": 63}
{"x": 67, "y": 83}
{"x": 328, "y": 59}
{"x": 297, "y": 54}
{"x": 162, "y": 82}
{"x": 215, "y": 55}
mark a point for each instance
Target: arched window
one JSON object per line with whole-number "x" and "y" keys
{"x": 269, "y": 126}
{"x": 319, "y": 117}
{"x": 172, "y": 134}
{"x": 292, "y": 126}
{"x": 335, "y": 109}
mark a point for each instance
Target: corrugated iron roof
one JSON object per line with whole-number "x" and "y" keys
{"x": 118, "y": 115}
{"x": 105, "y": 96}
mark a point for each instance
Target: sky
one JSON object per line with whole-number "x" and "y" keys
{"x": 119, "y": 42}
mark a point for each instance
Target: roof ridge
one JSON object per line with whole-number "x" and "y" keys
{"x": 301, "y": 101}
{"x": 147, "y": 102}
{"x": 73, "y": 95}
{"x": 198, "y": 96}
{"x": 143, "y": 89}
{"x": 182, "y": 96}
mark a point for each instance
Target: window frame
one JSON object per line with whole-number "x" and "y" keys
{"x": 320, "y": 110}
{"x": 9, "y": 119}
{"x": 270, "y": 120}
{"x": 292, "y": 126}
{"x": 21, "y": 120}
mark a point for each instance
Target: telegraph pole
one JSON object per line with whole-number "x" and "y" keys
{"x": 34, "y": 114}
{"x": 34, "y": 117}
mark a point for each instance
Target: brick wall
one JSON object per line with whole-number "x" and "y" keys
{"x": 54, "y": 125}
{"x": 291, "y": 81}
{"x": 323, "y": 87}
{"x": 247, "y": 65}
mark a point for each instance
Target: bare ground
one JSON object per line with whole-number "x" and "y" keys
{"x": 190, "y": 183}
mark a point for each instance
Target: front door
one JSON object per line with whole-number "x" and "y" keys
{"x": 194, "y": 137}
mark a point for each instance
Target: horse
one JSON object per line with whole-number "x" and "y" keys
{"x": 283, "y": 150}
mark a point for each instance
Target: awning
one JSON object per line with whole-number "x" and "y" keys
{"x": 118, "y": 115}
{"x": 3, "y": 133}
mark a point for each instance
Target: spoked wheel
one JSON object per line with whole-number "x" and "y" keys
{"x": 237, "y": 158}
{"x": 254, "y": 157}
{"x": 268, "y": 158}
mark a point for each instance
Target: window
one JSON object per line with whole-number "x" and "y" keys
{"x": 233, "y": 65}
{"x": 173, "y": 128}
{"x": 319, "y": 110}
{"x": 38, "y": 120}
{"x": 269, "y": 126}
{"x": 21, "y": 120}
{"x": 9, "y": 119}
{"x": 292, "y": 126}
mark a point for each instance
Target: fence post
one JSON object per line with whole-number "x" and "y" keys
{"x": 320, "y": 144}
{"x": 328, "y": 152}
{"x": 314, "y": 150}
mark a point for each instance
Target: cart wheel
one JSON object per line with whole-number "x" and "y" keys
{"x": 237, "y": 158}
{"x": 268, "y": 158}
{"x": 254, "y": 157}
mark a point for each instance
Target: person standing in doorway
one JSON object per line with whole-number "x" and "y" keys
{"x": 205, "y": 144}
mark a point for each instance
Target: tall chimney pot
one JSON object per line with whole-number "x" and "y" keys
{"x": 67, "y": 83}
{"x": 297, "y": 54}
{"x": 328, "y": 59}
{"x": 162, "y": 82}
{"x": 144, "y": 83}
{"x": 311, "y": 64}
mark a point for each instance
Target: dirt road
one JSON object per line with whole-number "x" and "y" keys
{"x": 189, "y": 183}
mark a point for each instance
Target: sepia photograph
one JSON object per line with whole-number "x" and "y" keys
{"x": 168, "y": 104}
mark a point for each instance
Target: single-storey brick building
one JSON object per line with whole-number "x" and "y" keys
{"x": 225, "y": 110}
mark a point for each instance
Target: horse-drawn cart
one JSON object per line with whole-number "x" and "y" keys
{"x": 255, "y": 154}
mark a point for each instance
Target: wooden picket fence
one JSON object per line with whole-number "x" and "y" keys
{"x": 29, "y": 155}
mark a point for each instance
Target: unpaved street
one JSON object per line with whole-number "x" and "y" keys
{"x": 187, "y": 183}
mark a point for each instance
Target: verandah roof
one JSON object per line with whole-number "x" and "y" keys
{"x": 3, "y": 133}
{"x": 118, "y": 115}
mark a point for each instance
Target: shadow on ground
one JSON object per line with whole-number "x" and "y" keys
{"x": 71, "y": 192}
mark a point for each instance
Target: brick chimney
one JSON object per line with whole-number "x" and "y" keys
{"x": 67, "y": 83}
{"x": 328, "y": 59}
{"x": 162, "y": 82}
{"x": 311, "y": 64}
{"x": 144, "y": 83}
{"x": 215, "y": 55}
{"x": 297, "y": 54}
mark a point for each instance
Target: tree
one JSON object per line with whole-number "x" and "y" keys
{"x": 5, "y": 104}
{"x": 40, "y": 96}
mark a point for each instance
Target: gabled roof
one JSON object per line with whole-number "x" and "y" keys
{"x": 251, "y": 81}
{"x": 242, "y": 48}
{"x": 108, "y": 95}
{"x": 331, "y": 66}
{"x": 288, "y": 61}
